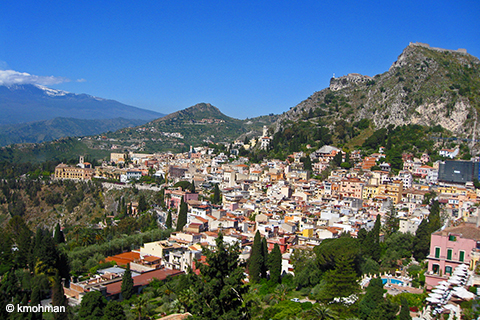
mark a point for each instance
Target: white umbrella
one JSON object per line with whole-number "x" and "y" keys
{"x": 435, "y": 295}
{"x": 443, "y": 282}
{"x": 441, "y": 291}
{"x": 460, "y": 272}
{"x": 432, "y": 300}
{"x": 463, "y": 293}
{"x": 450, "y": 307}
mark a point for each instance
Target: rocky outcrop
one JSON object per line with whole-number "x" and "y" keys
{"x": 426, "y": 85}
{"x": 348, "y": 80}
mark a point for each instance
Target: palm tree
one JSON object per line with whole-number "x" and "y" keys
{"x": 98, "y": 238}
{"x": 141, "y": 305}
{"x": 281, "y": 292}
{"x": 86, "y": 239}
{"x": 320, "y": 312}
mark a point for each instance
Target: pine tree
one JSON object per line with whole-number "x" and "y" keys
{"x": 275, "y": 264}
{"x": 182, "y": 216}
{"x": 92, "y": 306}
{"x": 256, "y": 259}
{"x": 219, "y": 289}
{"x": 168, "y": 223}
{"x": 127, "y": 284}
{"x": 114, "y": 310}
{"x": 192, "y": 188}
{"x": 342, "y": 281}
{"x": 372, "y": 299}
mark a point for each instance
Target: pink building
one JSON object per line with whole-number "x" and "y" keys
{"x": 449, "y": 248}
{"x": 173, "y": 198}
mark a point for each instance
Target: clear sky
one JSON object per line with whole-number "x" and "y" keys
{"x": 248, "y": 58}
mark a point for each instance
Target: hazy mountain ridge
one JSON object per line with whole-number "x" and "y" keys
{"x": 47, "y": 130}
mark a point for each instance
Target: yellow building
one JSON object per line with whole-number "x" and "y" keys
{"x": 393, "y": 190}
{"x": 370, "y": 191}
{"x": 63, "y": 171}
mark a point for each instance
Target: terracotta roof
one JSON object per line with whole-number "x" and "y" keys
{"x": 124, "y": 258}
{"x": 151, "y": 258}
{"x": 466, "y": 230}
{"x": 143, "y": 279}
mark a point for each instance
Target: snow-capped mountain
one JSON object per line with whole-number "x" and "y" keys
{"x": 27, "y": 103}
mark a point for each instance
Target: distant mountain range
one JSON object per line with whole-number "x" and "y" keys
{"x": 427, "y": 86}
{"x": 34, "y": 106}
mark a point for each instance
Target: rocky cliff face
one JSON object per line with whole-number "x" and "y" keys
{"x": 427, "y": 86}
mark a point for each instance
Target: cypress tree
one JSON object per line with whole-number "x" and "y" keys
{"x": 182, "y": 216}
{"x": 168, "y": 223}
{"x": 392, "y": 223}
{"x": 376, "y": 250}
{"x": 275, "y": 264}
{"x": 127, "y": 284}
{"x": 421, "y": 245}
{"x": 216, "y": 194}
{"x": 142, "y": 204}
{"x": 404, "y": 311}
{"x": 434, "y": 220}
{"x": 58, "y": 298}
{"x": 255, "y": 261}
{"x": 35, "y": 300}
{"x": 58, "y": 236}
{"x": 264, "y": 267}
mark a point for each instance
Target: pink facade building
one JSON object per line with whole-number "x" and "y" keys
{"x": 449, "y": 248}
{"x": 173, "y": 198}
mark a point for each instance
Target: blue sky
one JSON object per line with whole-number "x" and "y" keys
{"x": 248, "y": 58}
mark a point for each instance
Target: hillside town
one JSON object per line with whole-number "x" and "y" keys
{"x": 292, "y": 208}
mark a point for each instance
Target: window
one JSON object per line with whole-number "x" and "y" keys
{"x": 452, "y": 238}
{"x": 448, "y": 270}
{"x": 461, "y": 257}
{"x": 435, "y": 268}
{"x": 437, "y": 252}
{"x": 449, "y": 254}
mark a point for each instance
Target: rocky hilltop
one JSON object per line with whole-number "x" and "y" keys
{"x": 426, "y": 85}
